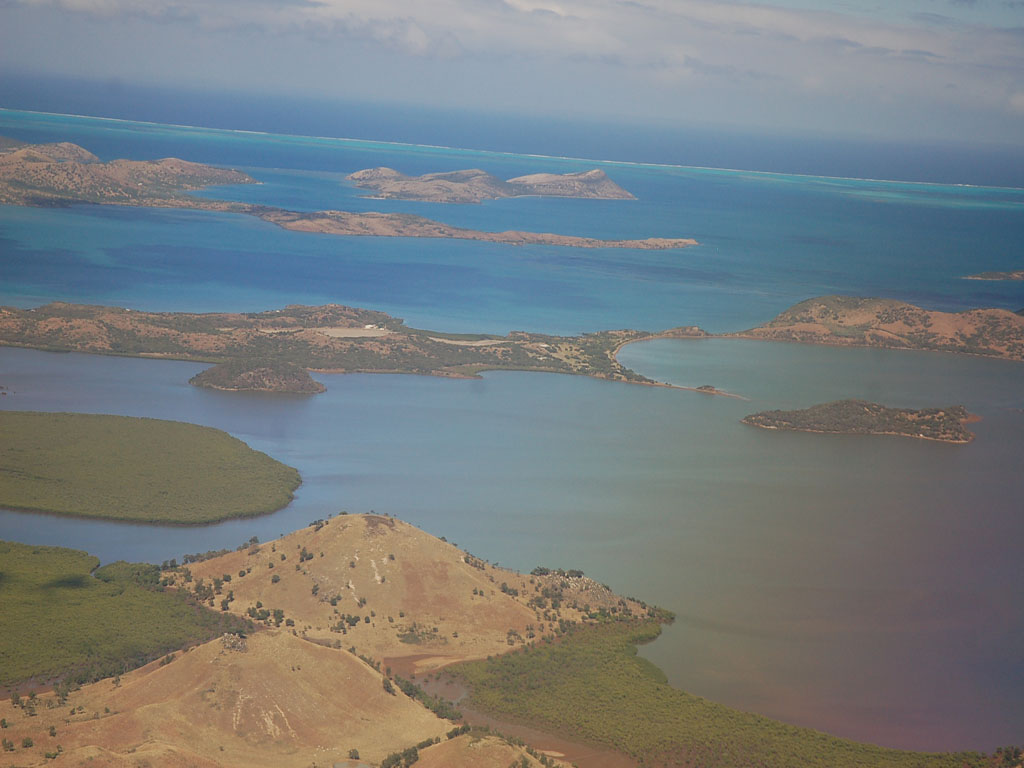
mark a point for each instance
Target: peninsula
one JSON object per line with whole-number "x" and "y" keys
{"x": 274, "y": 350}
{"x": 475, "y": 186}
{"x": 860, "y": 417}
{"x": 61, "y": 174}
{"x": 409, "y": 225}
{"x": 870, "y": 322}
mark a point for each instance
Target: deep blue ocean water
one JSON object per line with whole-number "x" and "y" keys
{"x": 830, "y": 581}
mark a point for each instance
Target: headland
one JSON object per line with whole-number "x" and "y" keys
{"x": 274, "y": 350}
{"x": 890, "y": 324}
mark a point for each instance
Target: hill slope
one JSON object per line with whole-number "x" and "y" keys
{"x": 270, "y": 700}
{"x": 474, "y": 185}
{"x": 850, "y": 321}
{"x": 62, "y": 173}
{"x": 396, "y": 594}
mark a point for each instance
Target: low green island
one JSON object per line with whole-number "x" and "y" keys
{"x": 66, "y": 620}
{"x": 133, "y": 469}
{"x": 860, "y": 417}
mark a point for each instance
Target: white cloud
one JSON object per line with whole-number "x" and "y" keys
{"x": 664, "y": 51}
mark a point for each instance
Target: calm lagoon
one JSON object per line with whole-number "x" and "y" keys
{"x": 832, "y": 581}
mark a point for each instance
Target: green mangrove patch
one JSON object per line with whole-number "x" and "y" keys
{"x": 133, "y": 469}
{"x": 591, "y": 684}
{"x": 63, "y": 623}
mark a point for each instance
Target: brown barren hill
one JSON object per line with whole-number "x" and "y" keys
{"x": 397, "y": 594}
{"x": 868, "y": 322}
{"x": 63, "y": 173}
{"x": 409, "y": 225}
{"x": 468, "y": 186}
{"x": 271, "y": 699}
{"x": 474, "y": 185}
{"x": 593, "y": 184}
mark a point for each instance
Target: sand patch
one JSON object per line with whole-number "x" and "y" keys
{"x": 353, "y": 333}
{"x": 476, "y": 343}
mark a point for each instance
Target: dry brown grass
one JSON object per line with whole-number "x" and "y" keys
{"x": 471, "y": 751}
{"x": 846, "y": 321}
{"x": 281, "y": 702}
{"x": 450, "y": 604}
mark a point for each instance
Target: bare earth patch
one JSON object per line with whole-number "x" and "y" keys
{"x": 353, "y": 333}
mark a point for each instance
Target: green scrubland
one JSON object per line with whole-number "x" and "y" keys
{"x": 131, "y": 469}
{"x": 66, "y": 621}
{"x": 592, "y": 685}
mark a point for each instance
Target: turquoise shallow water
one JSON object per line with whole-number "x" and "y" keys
{"x": 767, "y": 240}
{"x": 838, "y": 582}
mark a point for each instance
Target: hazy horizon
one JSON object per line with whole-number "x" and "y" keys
{"x": 808, "y": 153}
{"x": 909, "y": 70}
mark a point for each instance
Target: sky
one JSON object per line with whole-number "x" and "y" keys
{"x": 897, "y": 70}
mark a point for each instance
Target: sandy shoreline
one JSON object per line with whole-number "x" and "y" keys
{"x": 713, "y": 391}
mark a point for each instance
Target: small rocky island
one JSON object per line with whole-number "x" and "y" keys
{"x": 860, "y": 417}
{"x": 258, "y": 376}
{"x": 63, "y": 174}
{"x": 474, "y": 185}
{"x": 1016, "y": 274}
